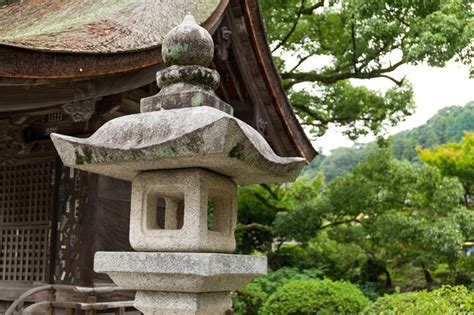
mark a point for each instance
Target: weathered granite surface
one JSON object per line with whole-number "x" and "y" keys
{"x": 173, "y": 303}
{"x": 169, "y": 152}
{"x": 188, "y": 44}
{"x": 184, "y": 94}
{"x": 194, "y": 188}
{"x": 188, "y": 82}
{"x": 180, "y": 272}
{"x": 201, "y": 137}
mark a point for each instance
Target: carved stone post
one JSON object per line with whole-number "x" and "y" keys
{"x": 185, "y": 155}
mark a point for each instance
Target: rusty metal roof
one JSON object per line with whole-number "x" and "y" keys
{"x": 96, "y": 27}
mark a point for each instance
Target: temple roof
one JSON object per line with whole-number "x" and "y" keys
{"x": 56, "y": 51}
{"x": 99, "y": 26}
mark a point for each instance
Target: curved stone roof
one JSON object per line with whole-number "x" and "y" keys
{"x": 99, "y": 26}
{"x": 191, "y": 137}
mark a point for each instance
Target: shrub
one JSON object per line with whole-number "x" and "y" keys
{"x": 446, "y": 300}
{"x": 371, "y": 290}
{"x": 315, "y": 297}
{"x": 276, "y": 279}
{"x": 249, "y": 300}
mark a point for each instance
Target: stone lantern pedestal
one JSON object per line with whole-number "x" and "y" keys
{"x": 181, "y": 283}
{"x": 185, "y": 154}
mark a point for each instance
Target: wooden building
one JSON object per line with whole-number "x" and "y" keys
{"x": 68, "y": 67}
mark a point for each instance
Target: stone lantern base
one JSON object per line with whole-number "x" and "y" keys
{"x": 173, "y": 303}
{"x": 180, "y": 283}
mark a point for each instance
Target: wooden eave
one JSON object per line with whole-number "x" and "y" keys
{"x": 25, "y": 71}
{"x": 36, "y": 63}
{"x": 287, "y": 121}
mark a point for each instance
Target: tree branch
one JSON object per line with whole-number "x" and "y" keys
{"x": 304, "y": 108}
{"x": 270, "y": 190}
{"x": 397, "y": 82}
{"x": 309, "y": 10}
{"x": 300, "y": 62}
{"x": 337, "y": 223}
{"x": 354, "y": 55}
{"x": 293, "y": 27}
{"x": 298, "y": 77}
{"x": 263, "y": 200}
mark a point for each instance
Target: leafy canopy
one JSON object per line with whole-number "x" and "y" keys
{"x": 320, "y": 45}
{"x": 454, "y": 159}
{"x": 395, "y": 210}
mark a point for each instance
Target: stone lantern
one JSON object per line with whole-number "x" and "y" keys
{"x": 185, "y": 154}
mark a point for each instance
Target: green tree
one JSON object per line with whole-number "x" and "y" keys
{"x": 259, "y": 204}
{"x": 393, "y": 209}
{"x": 343, "y": 160}
{"x": 454, "y": 159}
{"x": 320, "y": 45}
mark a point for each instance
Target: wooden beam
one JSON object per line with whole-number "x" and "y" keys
{"x": 14, "y": 99}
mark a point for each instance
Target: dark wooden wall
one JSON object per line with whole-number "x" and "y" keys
{"x": 93, "y": 214}
{"x": 111, "y": 219}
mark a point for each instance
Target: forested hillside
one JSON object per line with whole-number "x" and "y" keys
{"x": 448, "y": 125}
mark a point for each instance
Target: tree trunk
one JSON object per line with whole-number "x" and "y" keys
{"x": 427, "y": 274}
{"x": 388, "y": 278}
{"x": 375, "y": 269}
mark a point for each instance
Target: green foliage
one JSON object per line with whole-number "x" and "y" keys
{"x": 411, "y": 212}
{"x": 384, "y": 213}
{"x": 253, "y": 237}
{"x": 250, "y": 299}
{"x": 5, "y": 2}
{"x": 312, "y": 170}
{"x": 253, "y": 207}
{"x": 454, "y": 159}
{"x": 371, "y": 290}
{"x": 465, "y": 265}
{"x": 448, "y": 125}
{"x": 338, "y": 260}
{"x": 357, "y": 108}
{"x": 385, "y": 222}
{"x": 300, "y": 223}
{"x": 393, "y": 210}
{"x": 446, "y": 300}
{"x": 333, "y": 42}
{"x": 343, "y": 160}
{"x": 335, "y": 259}
{"x": 276, "y": 279}
{"x": 259, "y": 205}
{"x": 315, "y": 297}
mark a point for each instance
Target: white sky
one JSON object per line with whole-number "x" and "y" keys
{"x": 434, "y": 88}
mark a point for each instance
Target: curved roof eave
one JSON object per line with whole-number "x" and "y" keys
{"x": 35, "y": 64}
{"x": 295, "y": 132}
{"x": 96, "y": 27}
{"x": 34, "y": 61}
